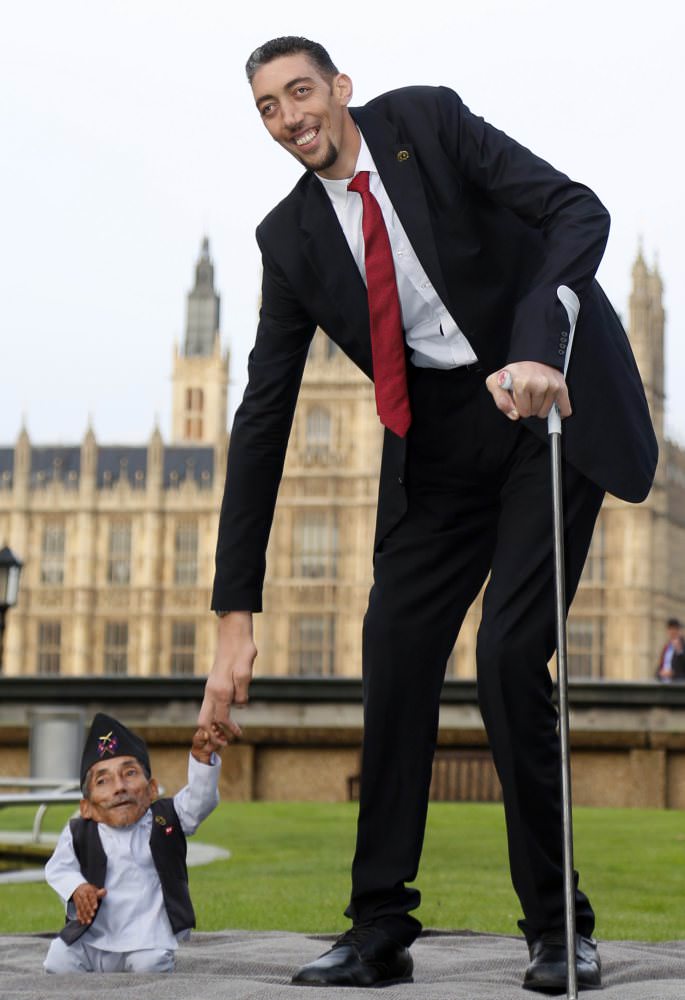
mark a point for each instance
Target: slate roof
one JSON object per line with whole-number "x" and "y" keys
{"x": 184, "y": 462}
{"x": 114, "y": 462}
{"x": 6, "y": 467}
{"x": 61, "y": 463}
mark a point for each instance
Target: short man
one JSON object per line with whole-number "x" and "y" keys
{"x": 475, "y": 255}
{"x": 121, "y": 868}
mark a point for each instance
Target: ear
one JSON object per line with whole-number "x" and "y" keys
{"x": 153, "y": 789}
{"x": 342, "y": 88}
{"x": 85, "y": 809}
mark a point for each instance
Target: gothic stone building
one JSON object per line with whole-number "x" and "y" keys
{"x": 118, "y": 541}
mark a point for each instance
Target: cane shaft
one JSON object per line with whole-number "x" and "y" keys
{"x": 562, "y": 689}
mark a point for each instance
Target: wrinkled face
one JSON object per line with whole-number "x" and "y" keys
{"x": 307, "y": 114}
{"x": 119, "y": 792}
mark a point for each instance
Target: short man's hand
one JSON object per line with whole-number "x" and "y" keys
{"x": 534, "y": 388}
{"x": 205, "y": 743}
{"x": 86, "y": 899}
{"x": 229, "y": 678}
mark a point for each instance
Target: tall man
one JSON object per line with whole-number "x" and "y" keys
{"x": 438, "y": 254}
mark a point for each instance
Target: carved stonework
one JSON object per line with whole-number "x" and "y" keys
{"x": 319, "y": 566}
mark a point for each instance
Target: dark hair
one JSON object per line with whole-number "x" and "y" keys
{"x": 291, "y": 45}
{"x": 673, "y": 623}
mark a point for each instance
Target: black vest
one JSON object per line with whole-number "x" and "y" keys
{"x": 168, "y": 847}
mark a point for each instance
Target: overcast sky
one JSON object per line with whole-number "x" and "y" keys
{"x": 127, "y": 132}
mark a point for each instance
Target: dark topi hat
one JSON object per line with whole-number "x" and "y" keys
{"x": 109, "y": 738}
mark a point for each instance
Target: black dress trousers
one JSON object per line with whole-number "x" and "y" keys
{"x": 479, "y": 502}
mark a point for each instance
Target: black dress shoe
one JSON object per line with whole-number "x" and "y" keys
{"x": 547, "y": 970}
{"x": 364, "y": 956}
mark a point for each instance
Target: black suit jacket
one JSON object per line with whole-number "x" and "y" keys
{"x": 497, "y": 231}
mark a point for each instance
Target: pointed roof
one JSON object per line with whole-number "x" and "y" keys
{"x": 202, "y": 314}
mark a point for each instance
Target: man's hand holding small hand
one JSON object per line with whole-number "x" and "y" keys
{"x": 534, "y": 389}
{"x": 206, "y": 743}
{"x": 86, "y": 899}
{"x": 229, "y": 678}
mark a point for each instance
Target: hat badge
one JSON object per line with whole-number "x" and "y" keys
{"x": 107, "y": 744}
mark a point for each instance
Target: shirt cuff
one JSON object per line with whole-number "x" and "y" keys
{"x": 197, "y": 768}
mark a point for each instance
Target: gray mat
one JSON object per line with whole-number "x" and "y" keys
{"x": 242, "y": 965}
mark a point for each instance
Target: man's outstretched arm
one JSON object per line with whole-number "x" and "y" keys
{"x": 229, "y": 679}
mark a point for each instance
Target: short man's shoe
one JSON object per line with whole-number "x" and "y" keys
{"x": 547, "y": 970}
{"x": 364, "y": 956}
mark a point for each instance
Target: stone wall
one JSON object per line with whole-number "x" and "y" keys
{"x": 302, "y": 739}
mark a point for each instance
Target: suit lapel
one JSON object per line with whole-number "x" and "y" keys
{"x": 398, "y": 167}
{"x": 328, "y": 253}
{"x": 325, "y": 244}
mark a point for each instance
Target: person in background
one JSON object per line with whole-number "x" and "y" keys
{"x": 672, "y": 660}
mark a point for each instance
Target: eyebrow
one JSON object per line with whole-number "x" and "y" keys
{"x": 288, "y": 86}
{"x": 127, "y": 761}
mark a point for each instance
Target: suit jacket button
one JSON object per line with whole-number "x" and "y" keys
{"x": 400, "y": 480}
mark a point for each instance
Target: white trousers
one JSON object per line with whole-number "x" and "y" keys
{"x": 81, "y": 957}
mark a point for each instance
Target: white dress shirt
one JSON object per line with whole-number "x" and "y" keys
{"x": 430, "y": 331}
{"x": 132, "y": 915}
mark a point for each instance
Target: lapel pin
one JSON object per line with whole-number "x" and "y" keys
{"x": 403, "y": 155}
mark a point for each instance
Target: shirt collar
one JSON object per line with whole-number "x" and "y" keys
{"x": 337, "y": 189}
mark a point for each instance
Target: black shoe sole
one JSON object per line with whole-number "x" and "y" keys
{"x": 555, "y": 989}
{"x": 358, "y": 986}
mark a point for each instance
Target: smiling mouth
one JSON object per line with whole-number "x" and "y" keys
{"x": 306, "y": 137}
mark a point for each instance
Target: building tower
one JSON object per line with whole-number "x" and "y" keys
{"x": 646, "y": 326}
{"x": 626, "y": 593}
{"x": 118, "y": 540}
{"x": 200, "y": 371}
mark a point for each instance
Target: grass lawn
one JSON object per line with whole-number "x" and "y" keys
{"x": 289, "y": 869}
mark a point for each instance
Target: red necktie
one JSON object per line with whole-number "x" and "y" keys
{"x": 387, "y": 337}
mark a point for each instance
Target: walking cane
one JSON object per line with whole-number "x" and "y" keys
{"x": 569, "y": 300}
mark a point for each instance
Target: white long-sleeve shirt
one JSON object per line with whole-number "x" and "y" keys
{"x": 132, "y": 915}
{"x": 429, "y": 328}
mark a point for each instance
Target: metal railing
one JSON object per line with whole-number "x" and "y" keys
{"x": 48, "y": 792}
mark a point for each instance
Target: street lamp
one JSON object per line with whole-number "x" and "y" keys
{"x": 10, "y": 571}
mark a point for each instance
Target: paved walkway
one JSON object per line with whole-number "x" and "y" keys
{"x": 240, "y": 965}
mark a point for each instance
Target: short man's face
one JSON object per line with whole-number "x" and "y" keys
{"x": 306, "y": 113}
{"x": 119, "y": 792}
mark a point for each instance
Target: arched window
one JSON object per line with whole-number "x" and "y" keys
{"x": 318, "y": 428}
{"x": 195, "y": 402}
{"x": 315, "y": 544}
{"x": 312, "y": 645}
{"x": 119, "y": 557}
{"x": 185, "y": 551}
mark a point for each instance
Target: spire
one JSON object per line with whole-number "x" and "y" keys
{"x": 639, "y": 266}
{"x": 89, "y": 455}
{"x": 155, "y": 459}
{"x": 202, "y": 315}
{"x": 657, "y": 280}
